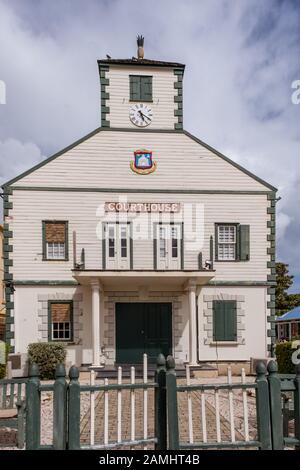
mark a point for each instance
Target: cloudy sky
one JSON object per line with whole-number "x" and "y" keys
{"x": 241, "y": 56}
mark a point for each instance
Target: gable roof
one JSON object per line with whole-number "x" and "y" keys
{"x": 101, "y": 129}
{"x": 292, "y": 315}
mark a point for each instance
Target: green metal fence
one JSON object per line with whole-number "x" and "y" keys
{"x": 12, "y": 408}
{"x": 67, "y": 396}
{"x": 168, "y": 391}
{"x": 268, "y": 387}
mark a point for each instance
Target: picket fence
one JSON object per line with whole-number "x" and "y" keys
{"x": 165, "y": 413}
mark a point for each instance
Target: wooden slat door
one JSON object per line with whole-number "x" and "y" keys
{"x": 143, "y": 328}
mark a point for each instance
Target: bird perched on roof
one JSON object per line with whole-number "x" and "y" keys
{"x": 108, "y": 56}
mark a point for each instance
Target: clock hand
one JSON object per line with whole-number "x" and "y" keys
{"x": 144, "y": 115}
{"x": 141, "y": 114}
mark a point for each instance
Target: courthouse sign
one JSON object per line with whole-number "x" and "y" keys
{"x": 142, "y": 207}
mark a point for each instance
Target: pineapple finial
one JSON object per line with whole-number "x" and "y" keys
{"x": 140, "y": 44}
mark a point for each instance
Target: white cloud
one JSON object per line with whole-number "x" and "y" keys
{"x": 283, "y": 222}
{"x": 16, "y": 157}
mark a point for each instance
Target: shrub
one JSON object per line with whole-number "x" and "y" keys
{"x": 284, "y": 353}
{"x": 3, "y": 366}
{"x": 47, "y": 356}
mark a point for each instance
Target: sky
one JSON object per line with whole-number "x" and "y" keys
{"x": 241, "y": 56}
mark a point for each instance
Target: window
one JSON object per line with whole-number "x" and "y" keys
{"x": 123, "y": 242}
{"x": 55, "y": 250}
{"x": 232, "y": 242}
{"x": 55, "y": 240}
{"x": 111, "y": 241}
{"x": 224, "y": 320}
{"x": 226, "y": 242}
{"x": 140, "y": 88}
{"x": 60, "y": 321}
{"x": 162, "y": 242}
{"x": 174, "y": 242}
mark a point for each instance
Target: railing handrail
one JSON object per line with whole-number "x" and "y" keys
{"x": 95, "y": 388}
{"x": 203, "y": 387}
{"x": 13, "y": 381}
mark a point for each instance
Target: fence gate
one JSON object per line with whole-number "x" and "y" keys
{"x": 268, "y": 389}
{"x": 131, "y": 398}
{"x": 127, "y": 397}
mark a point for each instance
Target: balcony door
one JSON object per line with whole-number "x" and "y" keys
{"x": 117, "y": 246}
{"x": 169, "y": 246}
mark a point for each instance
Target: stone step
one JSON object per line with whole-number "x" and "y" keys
{"x": 112, "y": 372}
{"x": 204, "y": 370}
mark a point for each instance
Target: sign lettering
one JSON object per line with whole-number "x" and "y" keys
{"x": 170, "y": 207}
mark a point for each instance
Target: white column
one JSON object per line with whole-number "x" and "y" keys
{"x": 192, "y": 326}
{"x": 96, "y": 322}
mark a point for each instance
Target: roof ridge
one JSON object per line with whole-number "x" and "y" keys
{"x": 135, "y": 61}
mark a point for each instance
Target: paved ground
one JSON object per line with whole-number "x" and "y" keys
{"x": 8, "y": 437}
{"x": 183, "y": 419}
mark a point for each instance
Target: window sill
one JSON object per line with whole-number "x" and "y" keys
{"x": 66, "y": 342}
{"x": 224, "y": 343}
{"x": 140, "y": 101}
{"x": 50, "y": 259}
{"x": 227, "y": 260}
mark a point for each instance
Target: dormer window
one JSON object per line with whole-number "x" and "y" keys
{"x": 140, "y": 88}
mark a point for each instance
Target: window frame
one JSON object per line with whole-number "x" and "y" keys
{"x": 156, "y": 243}
{"x": 45, "y": 247}
{"x": 129, "y": 246}
{"x": 237, "y": 253}
{"x": 50, "y": 323}
{"x": 140, "y": 99}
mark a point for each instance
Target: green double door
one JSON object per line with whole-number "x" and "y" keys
{"x": 143, "y": 328}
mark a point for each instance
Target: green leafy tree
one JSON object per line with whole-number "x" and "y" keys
{"x": 284, "y": 301}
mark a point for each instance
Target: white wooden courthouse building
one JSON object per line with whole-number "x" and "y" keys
{"x": 140, "y": 238}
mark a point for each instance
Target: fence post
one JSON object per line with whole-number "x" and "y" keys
{"x": 275, "y": 406}
{"x": 60, "y": 408}
{"x": 33, "y": 409}
{"x": 297, "y": 405}
{"x": 160, "y": 404}
{"x": 172, "y": 404}
{"x": 74, "y": 410}
{"x": 263, "y": 407}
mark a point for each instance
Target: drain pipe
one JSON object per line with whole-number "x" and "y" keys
{"x": 197, "y": 332}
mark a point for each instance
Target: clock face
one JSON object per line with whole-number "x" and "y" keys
{"x": 140, "y": 115}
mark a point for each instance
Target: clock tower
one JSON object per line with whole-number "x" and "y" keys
{"x": 141, "y": 94}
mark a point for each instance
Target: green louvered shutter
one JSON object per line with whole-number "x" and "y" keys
{"x": 244, "y": 238}
{"x": 224, "y": 320}
{"x": 146, "y": 88}
{"x": 135, "y": 88}
{"x": 218, "y": 319}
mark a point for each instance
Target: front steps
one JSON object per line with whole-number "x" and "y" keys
{"x": 202, "y": 370}
{"x": 111, "y": 372}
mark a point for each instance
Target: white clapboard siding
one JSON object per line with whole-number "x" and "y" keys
{"x": 163, "y": 92}
{"x": 103, "y": 161}
{"x": 80, "y": 210}
{"x": 252, "y": 322}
